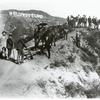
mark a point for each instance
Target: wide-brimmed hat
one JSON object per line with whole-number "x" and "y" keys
{"x": 4, "y": 32}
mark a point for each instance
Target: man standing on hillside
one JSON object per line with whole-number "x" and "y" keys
{"x": 3, "y": 39}
{"x": 9, "y": 45}
{"x": 48, "y": 45}
{"x": 78, "y": 39}
{"x": 89, "y": 22}
{"x": 20, "y": 47}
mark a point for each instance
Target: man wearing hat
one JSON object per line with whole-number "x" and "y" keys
{"x": 3, "y": 39}
{"x": 9, "y": 45}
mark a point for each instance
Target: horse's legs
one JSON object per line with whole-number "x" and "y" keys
{"x": 54, "y": 43}
{"x": 35, "y": 44}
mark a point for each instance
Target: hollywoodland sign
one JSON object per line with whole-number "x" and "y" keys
{"x": 22, "y": 14}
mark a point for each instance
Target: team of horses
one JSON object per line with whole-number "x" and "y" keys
{"x": 49, "y": 34}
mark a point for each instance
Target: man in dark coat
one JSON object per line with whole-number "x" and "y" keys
{"x": 48, "y": 46}
{"x": 89, "y": 22}
{"x": 9, "y": 45}
{"x": 20, "y": 47}
{"x": 77, "y": 39}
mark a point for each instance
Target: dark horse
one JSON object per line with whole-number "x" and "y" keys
{"x": 52, "y": 32}
{"x": 40, "y": 36}
{"x": 47, "y": 36}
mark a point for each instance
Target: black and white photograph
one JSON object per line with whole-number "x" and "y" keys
{"x": 50, "y": 49}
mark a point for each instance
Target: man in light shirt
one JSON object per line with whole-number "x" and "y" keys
{"x": 3, "y": 39}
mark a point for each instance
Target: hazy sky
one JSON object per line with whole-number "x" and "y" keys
{"x": 60, "y": 8}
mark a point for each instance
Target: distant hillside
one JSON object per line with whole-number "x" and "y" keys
{"x": 33, "y": 16}
{"x": 26, "y": 20}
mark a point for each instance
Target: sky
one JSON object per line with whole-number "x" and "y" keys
{"x": 60, "y": 8}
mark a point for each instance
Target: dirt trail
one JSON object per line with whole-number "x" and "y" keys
{"x": 16, "y": 79}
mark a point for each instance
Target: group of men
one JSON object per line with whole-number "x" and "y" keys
{"x": 83, "y": 21}
{"x": 8, "y": 49}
